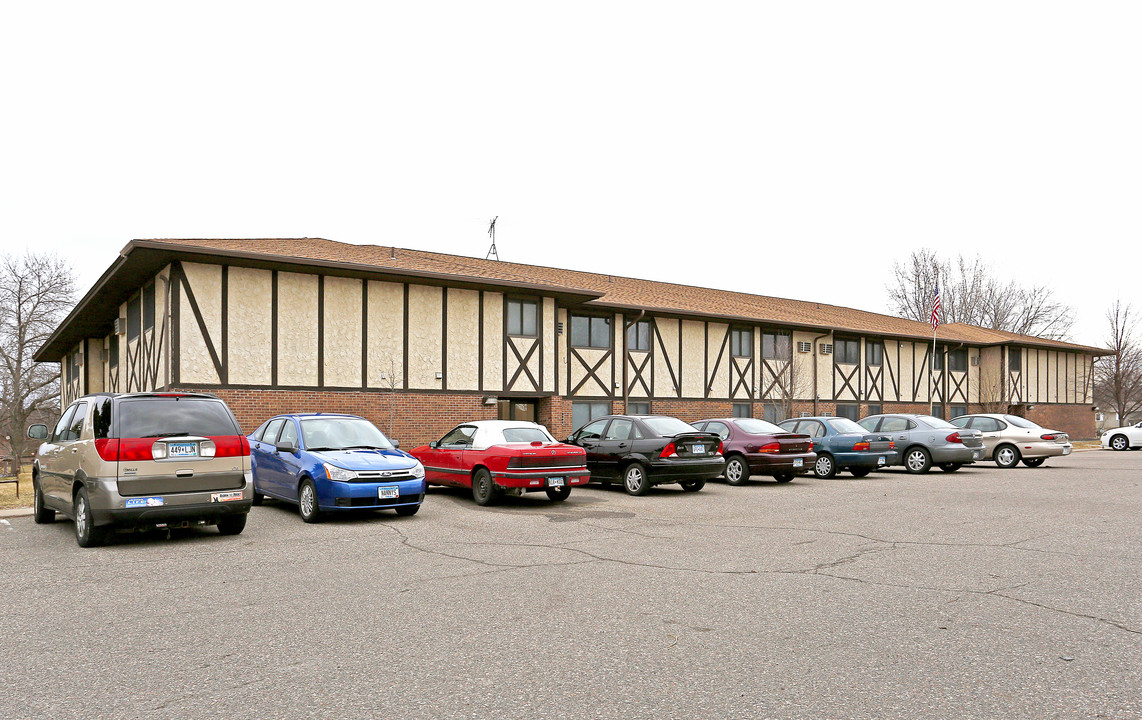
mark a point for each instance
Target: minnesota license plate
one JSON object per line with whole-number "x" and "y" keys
{"x": 1066, "y": 451}
{"x": 555, "y": 482}
{"x": 182, "y": 449}
{"x": 880, "y": 460}
{"x": 387, "y": 493}
{"x": 697, "y": 449}
{"x": 798, "y": 462}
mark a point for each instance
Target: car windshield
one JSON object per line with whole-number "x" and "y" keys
{"x": 526, "y": 435}
{"x": 753, "y": 426}
{"x": 844, "y": 425}
{"x": 342, "y": 433}
{"x": 934, "y": 422}
{"x": 173, "y": 417}
{"x": 1021, "y": 422}
{"x": 668, "y": 426}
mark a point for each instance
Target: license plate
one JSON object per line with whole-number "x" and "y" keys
{"x": 880, "y": 460}
{"x": 555, "y": 482}
{"x": 144, "y": 502}
{"x": 798, "y": 462}
{"x": 697, "y": 449}
{"x": 1066, "y": 451}
{"x": 182, "y": 449}
{"x": 387, "y": 493}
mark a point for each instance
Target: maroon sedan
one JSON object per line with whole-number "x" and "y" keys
{"x": 756, "y": 447}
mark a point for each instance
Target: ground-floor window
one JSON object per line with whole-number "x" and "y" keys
{"x": 638, "y": 407}
{"x": 874, "y": 409}
{"x": 743, "y": 410}
{"x": 958, "y": 410}
{"x": 850, "y": 411}
{"x": 938, "y": 410}
{"x": 584, "y": 412}
{"x": 773, "y": 412}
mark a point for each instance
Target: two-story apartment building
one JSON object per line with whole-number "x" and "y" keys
{"x": 419, "y": 341}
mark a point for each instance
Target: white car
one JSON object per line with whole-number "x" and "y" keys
{"x": 1123, "y": 438}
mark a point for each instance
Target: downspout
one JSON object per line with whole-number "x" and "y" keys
{"x": 816, "y": 395}
{"x": 626, "y": 354}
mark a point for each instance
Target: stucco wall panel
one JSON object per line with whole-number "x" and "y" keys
{"x": 463, "y": 339}
{"x": 386, "y": 335}
{"x": 494, "y": 341}
{"x": 664, "y": 353}
{"x": 693, "y": 358}
{"x": 719, "y": 345}
{"x": 342, "y": 332}
{"x": 297, "y": 329}
{"x": 425, "y": 343}
{"x": 250, "y": 303}
{"x": 591, "y": 388}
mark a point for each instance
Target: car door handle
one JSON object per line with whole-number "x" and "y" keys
{"x": 622, "y": 445}
{"x": 74, "y": 450}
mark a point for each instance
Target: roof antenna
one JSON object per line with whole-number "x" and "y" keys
{"x": 492, "y": 234}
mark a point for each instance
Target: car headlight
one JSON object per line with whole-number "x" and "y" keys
{"x": 417, "y": 471}
{"x": 340, "y": 474}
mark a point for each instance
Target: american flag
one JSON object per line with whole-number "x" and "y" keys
{"x": 936, "y": 308}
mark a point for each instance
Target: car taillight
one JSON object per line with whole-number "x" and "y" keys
{"x": 515, "y": 462}
{"x": 773, "y": 447}
{"x": 954, "y": 438}
{"x": 862, "y": 445}
{"x": 108, "y": 449}
{"x": 230, "y": 446}
{"x": 668, "y": 451}
{"x": 136, "y": 450}
{"x": 721, "y": 447}
{"x": 891, "y": 444}
{"x": 1049, "y": 436}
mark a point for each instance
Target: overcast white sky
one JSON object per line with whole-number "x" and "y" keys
{"x": 783, "y": 148}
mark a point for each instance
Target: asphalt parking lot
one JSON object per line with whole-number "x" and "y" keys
{"x": 979, "y": 594}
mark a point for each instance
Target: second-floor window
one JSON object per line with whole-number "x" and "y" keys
{"x": 958, "y": 360}
{"x": 874, "y": 353}
{"x": 1015, "y": 359}
{"x": 638, "y": 336}
{"x": 522, "y": 316}
{"x": 847, "y": 351}
{"x": 590, "y": 332}
{"x": 776, "y": 346}
{"x": 741, "y": 343}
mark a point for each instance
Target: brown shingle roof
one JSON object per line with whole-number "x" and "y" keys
{"x": 616, "y": 291}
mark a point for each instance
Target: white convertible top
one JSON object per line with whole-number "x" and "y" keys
{"x": 491, "y": 432}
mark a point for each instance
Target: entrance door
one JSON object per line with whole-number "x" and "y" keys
{"x": 519, "y": 409}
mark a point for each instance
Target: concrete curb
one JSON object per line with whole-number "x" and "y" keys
{"x": 15, "y": 512}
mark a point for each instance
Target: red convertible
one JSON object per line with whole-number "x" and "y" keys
{"x": 497, "y": 456}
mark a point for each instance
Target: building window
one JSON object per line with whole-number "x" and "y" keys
{"x": 640, "y": 407}
{"x": 148, "y": 307}
{"x": 938, "y": 359}
{"x": 772, "y": 412}
{"x": 743, "y": 410}
{"x": 958, "y": 360}
{"x": 1015, "y": 360}
{"x": 847, "y": 351}
{"x": 638, "y": 336}
{"x": 938, "y": 410}
{"x": 134, "y": 318}
{"x": 958, "y": 410}
{"x": 522, "y": 316}
{"x": 874, "y": 409}
{"x": 584, "y": 412}
{"x": 776, "y": 346}
{"x": 850, "y": 411}
{"x": 590, "y": 332}
{"x": 874, "y": 353}
{"x": 113, "y": 351}
{"x": 741, "y": 343}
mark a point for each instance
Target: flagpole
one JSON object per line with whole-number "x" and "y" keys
{"x": 935, "y": 319}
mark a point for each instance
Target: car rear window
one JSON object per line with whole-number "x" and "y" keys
{"x": 526, "y": 435}
{"x": 754, "y": 426}
{"x": 1021, "y": 422}
{"x": 174, "y": 416}
{"x": 844, "y": 425}
{"x": 668, "y": 426}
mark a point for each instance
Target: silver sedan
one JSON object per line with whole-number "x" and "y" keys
{"x": 1009, "y": 439}
{"x": 924, "y": 441}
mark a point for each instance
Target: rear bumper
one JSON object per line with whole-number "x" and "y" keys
{"x": 963, "y": 455}
{"x": 679, "y": 469}
{"x": 767, "y": 464}
{"x": 1044, "y": 449}
{"x": 868, "y": 459}
{"x": 532, "y": 481}
{"x": 108, "y": 507}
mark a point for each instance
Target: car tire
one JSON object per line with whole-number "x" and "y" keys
{"x": 825, "y": 467}
{"x": 1034, "y": 462}
{"x": 483, "y": 488}
{"x": 232, "y": 524}
{"x": 406, "y": 510}
{"x": 736, "y": 471}
{"x": 258, "y": 498}
{"x": 86, "y": 534}
{"x": 950, "y": 467}
{"x": 783, "y": 477}
{"x": 635, "y": 481}
{"x": 559, "y": 494}
{"x": 307, "y": 505}
{"x": 693, "y": 485}
{"x": 1007, "y": 456}
{"x": 40, "y": 514}
{"x": 917, "y": 460}
{"x": 1119, "y": 442}
{"x": 860, "y": 472}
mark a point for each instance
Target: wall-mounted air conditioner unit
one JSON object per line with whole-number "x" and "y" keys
{"x": 804, "y": 347}
{"x": 826, "y": 348}
{"x": 975, "y": 360}
{"x": 805, "y": 414}
{"x": 120, "y": 326}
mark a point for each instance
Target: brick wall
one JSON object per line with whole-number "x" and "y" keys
{"x": 1075, "y": 420}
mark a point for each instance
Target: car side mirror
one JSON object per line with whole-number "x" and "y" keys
{"x": 396, "y": 443}
{"x": 38, "y": 431}
{"x": 434, "y": 444}
{"x": 285, "y": 447}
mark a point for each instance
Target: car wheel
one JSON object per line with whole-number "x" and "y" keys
{"x": 483, "y": 488}
{"x": 737, "y": 471}
{"x": 232, "y": 524}
{"x": 307, "y": 502}
{"x": 860, "y": 472}
{"x": 1006, "y": 456}
{"x": 86, "y": 534}
{"x": 824, "y": 467}
{"x": 559, "y": 494}
{"x": 258, "y": 498}
{"x": 783, "y": 477}
{"x": 407, "y": 510}
{"x": 1119, "y": 442}
{"x": 40, "y": 514}
{"x": 635, "y": 481}
{"x": 950, "y": 467}
{"x": 917, "y": 460}
{"x": 693, "y": 485}
{"x": 1034, "y": 462}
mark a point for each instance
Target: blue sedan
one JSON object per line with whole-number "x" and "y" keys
{"x": 328, "y": 463}
{"x": 841, "y": 444}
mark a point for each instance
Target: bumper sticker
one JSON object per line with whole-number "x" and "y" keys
{"x": 226, "y": 496}
{"x": 144, "y": 502}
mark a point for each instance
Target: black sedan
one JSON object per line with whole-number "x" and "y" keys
{"x": 645, "y": 450}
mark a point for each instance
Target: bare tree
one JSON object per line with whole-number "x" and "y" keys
{"x": 970, "y": 293}
{"x": 36, "y": 291}
{"x": 1118, "y": 377}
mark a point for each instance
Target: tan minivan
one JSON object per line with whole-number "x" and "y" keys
{"x": 143, "y": 460}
